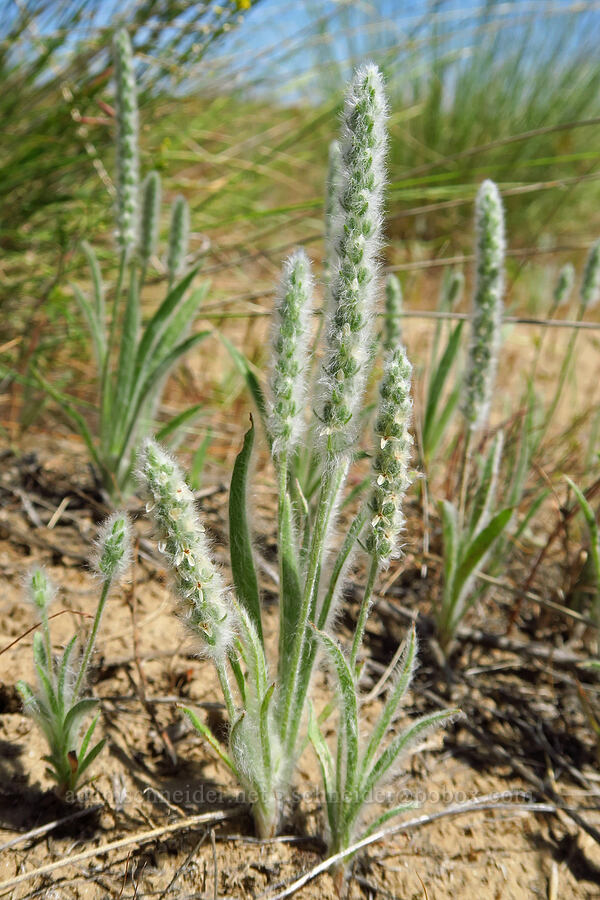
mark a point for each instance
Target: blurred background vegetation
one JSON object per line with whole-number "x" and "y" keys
{"x": 239, "y": 101}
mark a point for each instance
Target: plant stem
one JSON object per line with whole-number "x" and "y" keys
{"x": 564, "y": 371}
{"x": 92, "y": 638}
{"x": 105, "y": 398}
{"x": 281, "y": 492}
{"x": 226, "y": 688}
{"x": 330, "y": 486}
{"x": 464, "y": 477}
{"x": 364, "y": 611}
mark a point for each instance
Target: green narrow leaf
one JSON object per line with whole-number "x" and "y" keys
{"x": 243, "y": 367}
{"x": 325, "y": 761}
{"x": 405, "y": 668}
{"x": 158, "y": 323}
{"x": 237, "y": 669}
{"x": 182, "y": 319}
{"x": 78, "y": 711}
{"x": 341, "y": 559}
{"x": 349, "y": 708}
{"x": 290, "y": 595}
{"x": 386, "y": 816}
{"x": 450, "y": 538}
{"x": 126, "y": 366}
{"x": 197, "y": 467}
{"x": 484, "y": 495}
{"x": 214, "y": 743}
{"x": 265, "y": 736}
{"x": 438, "y": 428}
{"x": 145, "y": 393}
{"x": 88, "y": 736}
{"x": 178, "y": 421}
{"x": 478, "y": 547}
{"x": 98, "y": 336}
{"x": 415, "y": 732}
{"x": 436, "y": 385}
{"x": 86, "y": 762}
{"x": 99, "y": 302}
{"x": 240, "y": 545}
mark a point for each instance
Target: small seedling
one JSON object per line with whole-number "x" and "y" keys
{"x": 57, "y": 705}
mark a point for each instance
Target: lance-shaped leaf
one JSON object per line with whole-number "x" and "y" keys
{"x": 240, "y": 544}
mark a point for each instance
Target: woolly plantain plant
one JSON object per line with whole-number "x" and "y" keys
{"x": 471, "y": 529}
{"x": 267, "y": 704}
{"x": 133, "y": 362}
{"x": 57, "y": 706}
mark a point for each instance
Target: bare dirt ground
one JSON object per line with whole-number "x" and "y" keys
{"x": 525, "y": 737}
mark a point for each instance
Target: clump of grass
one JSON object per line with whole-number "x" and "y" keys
{"x": 57, "y": 705}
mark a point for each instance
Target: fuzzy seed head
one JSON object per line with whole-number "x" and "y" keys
{"x": 151, "y": 191}
{"x": 205, "y": 606}
{"x": 392, "y": 335}
{"x": 590, "y": 285}
{"x": 290, "y": 344}
{"x": 391, "y": 465}
{"x": 40, "y": 590}
{"x": 179, "y": 236}
{"x": 357, "y": 240}
{"x": 114, "y": 546}
{"x": 127, "y": 144}
{"x": 564, "y": 285}
{"x": 487, "y": 306}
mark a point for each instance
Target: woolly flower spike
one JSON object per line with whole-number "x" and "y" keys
{"x": 114, "y": 546}
{"x": 290, "y": 339}
{"x": 207, "y": 612}
{"x": 40, "y": 590}
{"x": 353, "y": 281}
{"x": 590, "y": 287}
{"x": 178, "y": 238}
{"x": 127, "y": 144}
{"x": 332, "y": 208}
{"x": 150, "y": 217}
{"x": 487, "y": 306}
{"x": 564, "y": 285}
{"x": 391, "y": 463}
{"x": 393, "y": 313}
